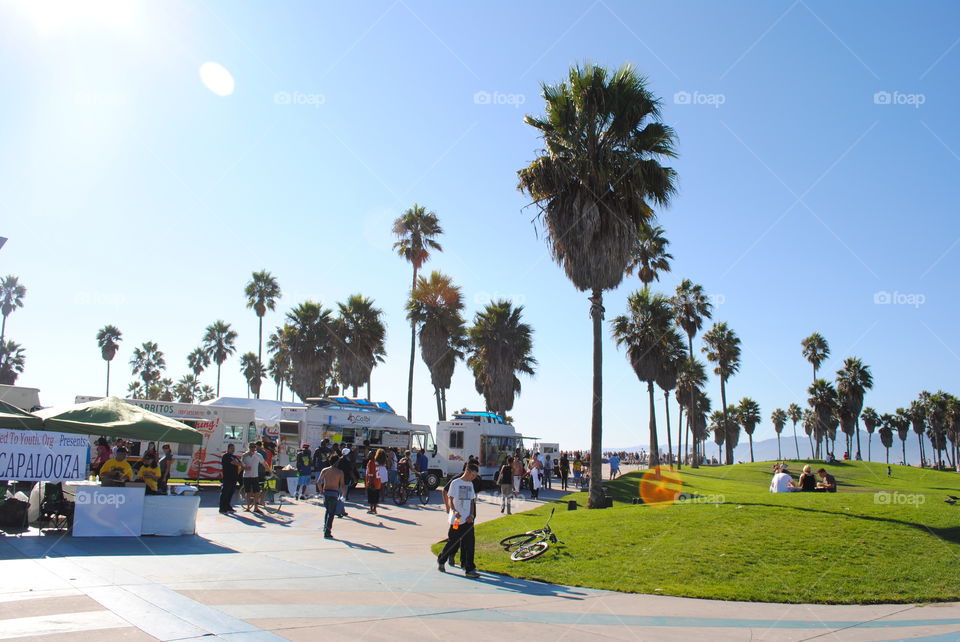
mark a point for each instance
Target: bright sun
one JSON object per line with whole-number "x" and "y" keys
{"x": 54, "y": 16}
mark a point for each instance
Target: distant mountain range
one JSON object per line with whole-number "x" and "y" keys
{"x": 766, "y": 450}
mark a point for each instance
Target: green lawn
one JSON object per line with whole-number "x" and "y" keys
{"x": 736, "y": 541}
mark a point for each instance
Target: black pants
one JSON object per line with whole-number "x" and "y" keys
{"x": 330, "y": 498}
{"x": 461, "y": 538}
{"x": 226, "y": 494}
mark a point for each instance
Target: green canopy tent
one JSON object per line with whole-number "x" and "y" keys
{"x": 113, "y": 417}
{"x": 13, "y": 418}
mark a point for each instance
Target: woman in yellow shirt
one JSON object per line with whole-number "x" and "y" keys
{"x": 150, "y": 473}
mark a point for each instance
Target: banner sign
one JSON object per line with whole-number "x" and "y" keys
{"x": 35, "y": 455}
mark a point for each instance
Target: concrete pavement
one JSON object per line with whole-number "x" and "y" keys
{"x": 274, "y": 577}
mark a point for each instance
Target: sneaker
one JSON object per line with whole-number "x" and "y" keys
{"x": 328, "y": 536}
{"x": 472, "y": 574}
{"x": 441, "y": 567}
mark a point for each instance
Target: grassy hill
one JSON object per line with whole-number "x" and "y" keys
{"x": 879, "y": 539}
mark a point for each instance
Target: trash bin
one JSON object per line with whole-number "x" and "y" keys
{"x": 572, "y": 504}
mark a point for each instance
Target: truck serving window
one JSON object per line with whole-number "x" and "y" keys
{"x": 456, "y": 439}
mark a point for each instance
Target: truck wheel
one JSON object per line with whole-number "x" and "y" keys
{"x": 432, "y": 480}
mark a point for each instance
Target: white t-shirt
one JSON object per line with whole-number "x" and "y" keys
{"x": 251, "y": 464}
{"x": 382, "y": 474}
{"x": 779, "y": 483}
{"x": 461, "y": 495}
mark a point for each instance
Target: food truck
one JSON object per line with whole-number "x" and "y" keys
{"x": 23, "y": 398}
{"x": 483, "y": 434}
{"x": 220, "y": 425}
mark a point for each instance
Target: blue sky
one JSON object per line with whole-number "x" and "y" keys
{"x": 134, "y": 195}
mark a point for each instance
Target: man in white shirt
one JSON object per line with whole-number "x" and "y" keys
{"x": 782, "y": 482}
{"x": 251, "y": 462}
{"x": 460, "y": 499}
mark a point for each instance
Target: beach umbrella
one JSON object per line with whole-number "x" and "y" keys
{"x": 12, "y": 417}
{"x": 113, "y": 417}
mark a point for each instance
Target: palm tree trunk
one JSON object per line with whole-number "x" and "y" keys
{"x": 260, "y": 343}
{"x": 695, "y": 464}
{"x": 108, "y": 377}
{"x": 795, "y": 442}
{"x": 413, "y": 354}
{"x": 218, "y": 379}
{"x": 920, "y": 441}
{"x": 596, "y": 416}
{"x": 679, "y": 434}
{"x": 368, "y": 388}
{"x": 666, "y": 402}
{"x": 726, "y": 435}
{"x": 810, "y": 439}
{"x": 443, "y": 402}
{"x": 857, "y": 428}
{"x": 3, "y": 329}
{"x": 888, "y": 456}
{"x": 354, "y": 392}
{"x": 903, "y": 448}
{"x": 654, "y": 442}
{"x": 750, "y": 437}
{"x": 869, "y": 440}
{"x": 779, "y": 455}
{"x": 436, "y": 393}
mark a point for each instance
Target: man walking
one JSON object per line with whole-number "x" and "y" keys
{"x": 614, "y": 466}
{"x": 304, "y": 471}
{"x": 231, "y": 468}
{"x": 331, "y": 483}
{"x": 461, "y": 504}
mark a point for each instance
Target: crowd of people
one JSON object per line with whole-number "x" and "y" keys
{"x": 111, "y": 466}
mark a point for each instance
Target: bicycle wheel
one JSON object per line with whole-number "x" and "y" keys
{"x": 530, "y": 550}
{"x": 424, "y": 491}
{"x": 517, "y": 540}
{"x": 399, "y": 495}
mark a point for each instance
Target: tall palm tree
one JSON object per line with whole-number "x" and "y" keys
{"x": 187, "y": 389}
{"x": 501, "y": 347}
{"x": 748, "y": 415}
{"x": 435, "y": 308}
{"x": 690, "y": 308}
{"x": 108, "y": 340}
{"x": 650, "y": 257}
{"x": 672, "y": 359}
{"x": 312, "y": 344}
{"x": 135, "y": 390}
{"x": 206, "y": 393}
{"x": 280, "y": 367}
{"x": 815, "y": 350}
{"x": 218, "y": 342}
{"x": 853, "y": 380}
{"x": 719, "y": 430}
{"x": 162, "y": 390}
{"x": 917, "y": 414}
{"x": 12, "y": 293}
{"x": 417, "y": 231}
{"x": 809, "y": 428}
{"x": 901, "y": 423}
{"x": 870, "y": 421}
{"x": 198, "y": 361}
{"x": 12, "y": 362}
{"x": 779, "y": 419}
{"x": 362, "y": 340}
{"x": 722, "y": 347}
{"x": 253, "y": 371}
{"x": 148, "y": 362}
{"x": 596, "y": 183}
{"x": 937, "y": 409}
{"x": 700, "y": 411}
{"x": 643, "y": 331}
{"x": 795, "y": 414}
{"x": 887, "y": 426}
{"x": 262, "y": 292}
{"x": 691, "y": 378}
{"x": 823, "y": 400}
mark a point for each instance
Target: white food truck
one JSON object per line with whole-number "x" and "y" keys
{"x": 483, "y": 434}
{"x": 220, "y": 425}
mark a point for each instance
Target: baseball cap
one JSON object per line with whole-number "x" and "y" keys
{"x": 345, "y": 451}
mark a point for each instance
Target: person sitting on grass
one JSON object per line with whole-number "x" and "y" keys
{"x": 808, "y": 481}
{"x": 827, "y": 483}
{"x": 782, "y": 482}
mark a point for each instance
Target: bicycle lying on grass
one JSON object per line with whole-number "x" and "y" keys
{"x": 528, "y": 545}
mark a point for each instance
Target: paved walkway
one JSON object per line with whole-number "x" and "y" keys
{"x": 275, "y": 578}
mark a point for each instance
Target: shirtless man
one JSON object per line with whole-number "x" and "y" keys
{"x": 332, "y": 485}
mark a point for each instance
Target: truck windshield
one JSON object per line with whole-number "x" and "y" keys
{"x": 495, "y": 450}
